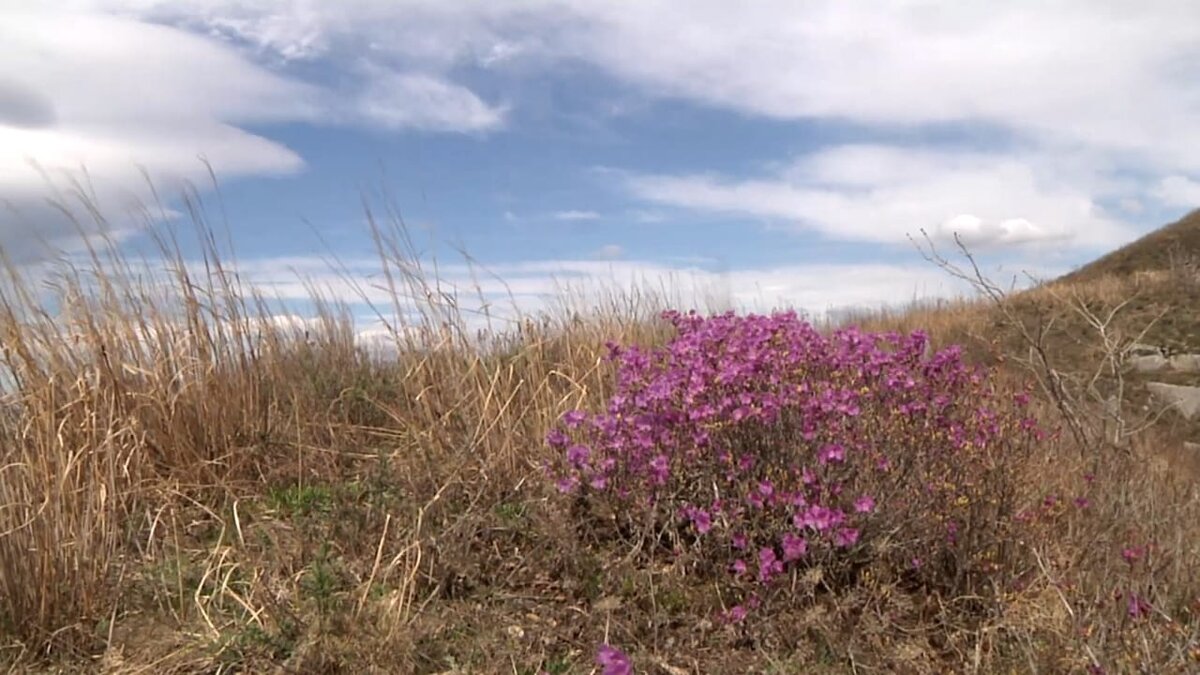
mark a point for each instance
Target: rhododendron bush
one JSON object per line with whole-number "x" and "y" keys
{"x": 749, "y": 448}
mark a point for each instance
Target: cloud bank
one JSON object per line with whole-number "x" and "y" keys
{"x": 884, "y": 194}
{"x": 1012, "y": 125}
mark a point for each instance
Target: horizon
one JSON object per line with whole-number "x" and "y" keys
{"x": 777, "y": 156}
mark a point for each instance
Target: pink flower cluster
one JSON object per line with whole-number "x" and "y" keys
{"x": 613, "y": 661}
{"x": 766, "y": 443}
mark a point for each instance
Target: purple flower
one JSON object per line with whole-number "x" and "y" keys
{"x": 736, "y": 614}
{"x": 613, "y": 661}
{"x": 672, "y": 417}
{"x": 578, "y": 455}
{"x": 766, "y": 489}
{"x": 833, "y": 453}
{"x": 768, "y": 564}
{"x": 755, "y": 499}
{"x": 1138, "y": 607}
{"x": 818, "y": 518}
{"x": 555, "y": 438}
{"x": 614, "y": 349}
{"x": 660, "y": 469}
{"x": 573, "y": 418}
{"x": 1132, "y": 554}
{"x": 738, "y": 567}
{"x": 846, "y": 537}
{"x": 766, "y": 555}
{"x": 794, "y": 547}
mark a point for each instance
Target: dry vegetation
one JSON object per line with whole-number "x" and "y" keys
{"x": 189, "y": 485}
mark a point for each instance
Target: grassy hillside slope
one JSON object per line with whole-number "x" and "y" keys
{"x": 1164, "y": 249}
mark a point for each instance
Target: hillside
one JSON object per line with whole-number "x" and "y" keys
{"x": 1120, "y": 333}
{"x": 1162, "y": 250}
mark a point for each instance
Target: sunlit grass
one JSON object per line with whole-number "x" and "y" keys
{"x": 189, "y": 483}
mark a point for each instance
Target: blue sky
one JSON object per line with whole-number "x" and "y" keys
{"x": 784, "y": 151}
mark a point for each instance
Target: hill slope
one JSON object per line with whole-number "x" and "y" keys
{"x": 1163, "y": 249}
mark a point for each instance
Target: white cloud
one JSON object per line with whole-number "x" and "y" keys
{"x": 885, "y": 194}
{"x": 974, "y": 231}
{"x": 91, "y": 99}
{"x": 610, "y": 252}
{"x": 500, "y": 52}
{"x": 393, "y": 58}
{"x": 1116, "y": 89}
{"x": 397, "y": 101}
{"x": 495, "y": 297}
{"x": 1131, "y": 205}
{"x": 535, "y": 285}
{"x": 573, "y": 215}
{"x": 1179, "y": 191}
{"x": 1064, "y": 74}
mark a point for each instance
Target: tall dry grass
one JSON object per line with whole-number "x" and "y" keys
{"x": 137, "y": 387}
{"x": 189, "y": 483}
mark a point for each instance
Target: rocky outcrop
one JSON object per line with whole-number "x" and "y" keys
{"x": 1184, "y": 363}
{"x": 1184, "y": 399}
{"x": 1140, "y": 349}
{"x": 1155, "y": 363}
{"x": 1149, "y": 363}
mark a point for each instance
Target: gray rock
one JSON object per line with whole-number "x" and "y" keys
{"x": 1148, "y": 364}
{"x": 1184, "y": 399}
{"x": 1139, "y": 349}
{"x": 1185, "y": 363}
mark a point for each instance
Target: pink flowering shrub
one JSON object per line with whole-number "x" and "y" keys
{"x": 749, "y": 447}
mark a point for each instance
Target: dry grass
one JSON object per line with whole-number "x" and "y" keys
{"x": 189, "y": 485}
{"x": 1167, "y": 248}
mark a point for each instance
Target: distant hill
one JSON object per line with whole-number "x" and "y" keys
{"x": 1162, "y": 249}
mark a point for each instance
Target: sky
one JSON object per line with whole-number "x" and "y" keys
{"x": 781, "y": 153}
